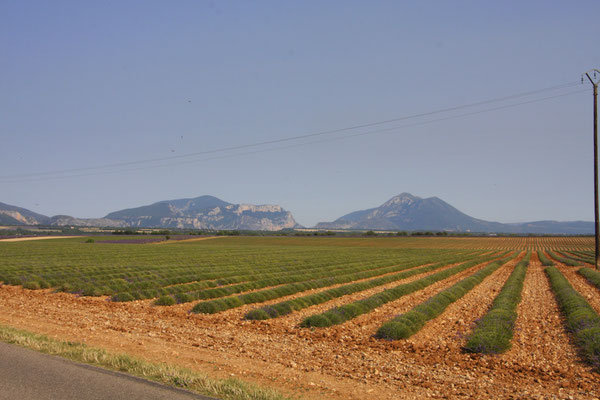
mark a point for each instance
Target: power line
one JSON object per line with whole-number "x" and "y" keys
{"x": 293, "y": 138}
{"x": 372, "y": 132}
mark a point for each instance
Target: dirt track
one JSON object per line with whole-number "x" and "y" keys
{"x": 343, "y": 362}
{"x": 23, "y": 239}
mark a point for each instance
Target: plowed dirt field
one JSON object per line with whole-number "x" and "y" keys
{"x": 344, "y": 361}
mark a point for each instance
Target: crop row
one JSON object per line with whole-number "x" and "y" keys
{"x": 589, "y": 255}
{"x": 592, "y": 275}
{"x": 578, "y": 256}
{"x": 349, "y": 311}
{"x": 253, "y": 280}
{"x": 181, "y": 281}
{"x": 494, "y": 330}
{"x": 314, "y": 274}
{"x": 299, "y": 303}
{"x": 567, "y": 261}
{"x": 581, "y": 319}
{"x": 409, "y": 323}
{"x": 218, "y": 305}
{"x": 546, "y": 262}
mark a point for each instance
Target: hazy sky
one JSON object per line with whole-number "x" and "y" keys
{"x": 92, "y": 84}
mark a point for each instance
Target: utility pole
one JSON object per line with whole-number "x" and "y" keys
{"x": 594, "y": 82}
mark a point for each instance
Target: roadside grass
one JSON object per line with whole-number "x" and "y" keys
{"x": 494, "y": 330}
{"x": 230, "y": 389}
{"x": 580, "y": 318}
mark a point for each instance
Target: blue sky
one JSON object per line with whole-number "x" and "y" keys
{"x": 89, "y": 84}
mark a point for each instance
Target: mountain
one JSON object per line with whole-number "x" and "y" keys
{"x": 566, "y": 228}
{"x": 11, "y": 215}
{"x": 410, "y": 213}
{"x": 406, "y": 212}
{"x": 205, "y": 212}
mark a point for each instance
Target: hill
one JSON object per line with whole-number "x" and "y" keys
{"x": 12, "y": 215}
{"x": 406, "y": 212}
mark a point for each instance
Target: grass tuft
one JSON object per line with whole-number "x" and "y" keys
{"x": 32, "y": 285}
{"x": 165, "y": 301}
{"x": 123, "y": 296}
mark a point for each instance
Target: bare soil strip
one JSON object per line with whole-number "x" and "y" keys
{"x": 23, "y": 239}
{"x": 541, "y": 345}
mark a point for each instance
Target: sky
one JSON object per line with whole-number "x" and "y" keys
{"x": 117, "y": 104}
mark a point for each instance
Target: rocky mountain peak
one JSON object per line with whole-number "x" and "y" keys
{"x": 402, "y": 199}
{"x": 207, "y": 212}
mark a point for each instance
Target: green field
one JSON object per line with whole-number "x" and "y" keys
{"x": 227, "y": 272}
{"x": 204, "y": 269}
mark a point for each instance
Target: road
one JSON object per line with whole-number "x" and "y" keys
{"x": 26, "y": 374}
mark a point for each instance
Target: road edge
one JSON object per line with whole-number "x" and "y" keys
{"x": 172, "y": 376}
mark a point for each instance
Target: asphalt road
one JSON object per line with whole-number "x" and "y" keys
{"x": 26, "y": 374}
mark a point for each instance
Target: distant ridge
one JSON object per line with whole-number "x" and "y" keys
{"x": 204, "y": 212}
{"x": 406, "y": 212}
{"x": 12, "y": 215}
